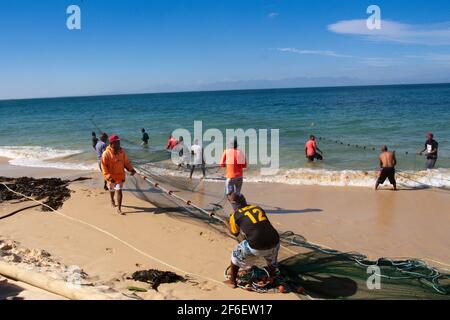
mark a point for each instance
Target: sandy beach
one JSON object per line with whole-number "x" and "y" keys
{"x": 407, "y": 223}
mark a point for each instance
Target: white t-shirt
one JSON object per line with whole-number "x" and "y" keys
{"x": 197, "y": 158}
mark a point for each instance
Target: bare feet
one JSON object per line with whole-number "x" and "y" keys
{"x": 120, "y": 212}
{"x": 231, "y": 284}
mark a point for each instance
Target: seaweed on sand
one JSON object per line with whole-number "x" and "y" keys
{"x": 51, "y": 191}
{"x": 156, "y": 277}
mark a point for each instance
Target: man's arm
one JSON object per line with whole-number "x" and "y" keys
{"x": 128, "y": 165}
{"x": 105, "y": 168}
{"x": 232, "y": 226}
{"x": 245, "y": 161}
{"x": 394, "y": 159}
{"x": 223, "y": 159}
{"x": 317, "y": 148}
{"x": 422, "y": 151}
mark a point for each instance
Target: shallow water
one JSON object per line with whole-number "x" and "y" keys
{"x": 59, "y": 129}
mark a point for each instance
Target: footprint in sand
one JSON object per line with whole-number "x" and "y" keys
{"x": 109, "y": 250}
{"x": 206, "y": 286}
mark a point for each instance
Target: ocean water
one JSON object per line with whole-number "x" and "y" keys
{"x": 349, "y": 121}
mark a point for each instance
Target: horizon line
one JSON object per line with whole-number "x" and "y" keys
{"x": 228, "y": 90}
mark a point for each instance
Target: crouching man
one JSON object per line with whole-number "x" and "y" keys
{"x": 261, "y": 238}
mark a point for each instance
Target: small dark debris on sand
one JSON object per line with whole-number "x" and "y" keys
{"x": 156, "y": 277}
{"x": 51, "y": 191}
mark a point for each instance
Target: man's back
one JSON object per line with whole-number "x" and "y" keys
{"x": 100, "y": 147}
{"x": 258, "y": 230}
{"x": 387, "y": 159}
{"x": 234, "y": 160}
{"x": 198, "y": 157}
{"x": 310, "y": 147}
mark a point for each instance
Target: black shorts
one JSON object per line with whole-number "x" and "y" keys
{"x": 315, "y": 156}
{"x": 388, "y": 173}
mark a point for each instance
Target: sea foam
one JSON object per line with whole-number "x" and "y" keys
{"x": 44, "y": 157}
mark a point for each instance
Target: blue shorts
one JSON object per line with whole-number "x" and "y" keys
{"x": 233, "y": 185}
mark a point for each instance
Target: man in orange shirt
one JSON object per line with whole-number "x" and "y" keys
{"x": 114, "y": 163}
{"x": 311, "y": 149}
{"x": 235, "y": 162}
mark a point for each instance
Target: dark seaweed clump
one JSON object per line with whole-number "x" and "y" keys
{"x": 156, "y": 277}
{"x": 51, "y": 191}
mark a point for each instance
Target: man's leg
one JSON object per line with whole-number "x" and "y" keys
{"x": 272, "y": 260}
{"x": 229, "y": 188}
{"x": 204, "y": 170}
{"x": 105, "y": 184}
{"x": 192, "y": 171}
{"x": 238, "y": 185}
{"x": 233, "y": 276}
{"x": 119, "y": 201}
{"x": 111, "y": 193}
{"x": 318, "y": 156}
{"x": 392, "y": 180}
{"x": 381, "y": 178}
{"x": 238, "y": 257}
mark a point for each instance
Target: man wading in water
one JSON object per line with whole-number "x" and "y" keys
{"x": 387, "y": 164}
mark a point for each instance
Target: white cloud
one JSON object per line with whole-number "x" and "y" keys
{"x": 273, "y": 15}
{"x": 440, "y": 58}
{"x": 431, "y": 34}
{"x": 315, "y": 52}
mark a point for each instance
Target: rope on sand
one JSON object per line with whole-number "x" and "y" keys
{"x": 117, "y": 238}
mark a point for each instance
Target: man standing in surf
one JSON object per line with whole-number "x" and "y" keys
{"x": 114, "y": 163}
{"x": 387, "y": 164}
{"x": 431, "y": 147}
{"x": 234, "y": 160}
{"x": 311, "y": 149}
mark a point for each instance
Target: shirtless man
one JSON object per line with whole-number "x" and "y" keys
{"x": 387, "y": 164}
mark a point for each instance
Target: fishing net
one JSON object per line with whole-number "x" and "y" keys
{"x": 308, "y": 269}
{"x": 320, "y": 272}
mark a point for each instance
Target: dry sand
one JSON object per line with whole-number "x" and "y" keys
{"x": 411, "y": 223}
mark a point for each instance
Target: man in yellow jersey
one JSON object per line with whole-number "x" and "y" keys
{"x": 261, "y": 238}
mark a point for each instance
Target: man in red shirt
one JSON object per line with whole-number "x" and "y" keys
{"x": 311, "y": 149}
{"x": 234, "y": 160}
{"x": 171, "y": 143}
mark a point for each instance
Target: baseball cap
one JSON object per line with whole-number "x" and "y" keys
{"x": 114, "y": 138}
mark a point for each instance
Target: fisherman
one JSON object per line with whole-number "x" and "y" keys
{"x": 114, "y": 163}
{"x": 387, "y": 164}
{"x": 311, "y": 149}
{"x": 183, "y": 152}
{"x": 234, "y": 160}
{"x": 100, "y": 147}
{"x": 197, "y": 158}
{"x": 261, "y": 238}
{"x": 171, "y": 143}
{"x": 431, "y": 147}
{"x": 145, "y": 137}
{"x": 94, "y": 140}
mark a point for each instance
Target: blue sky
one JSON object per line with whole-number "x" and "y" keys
{"x": 168, "y": 45}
